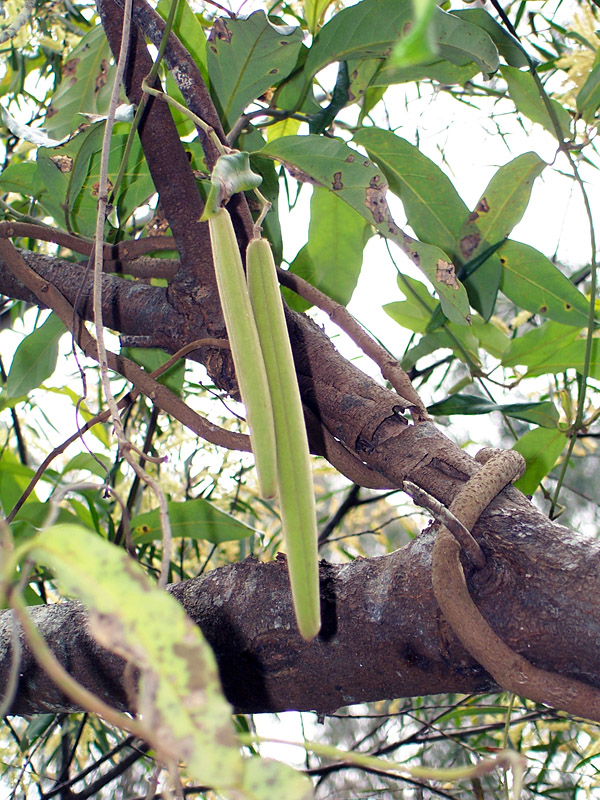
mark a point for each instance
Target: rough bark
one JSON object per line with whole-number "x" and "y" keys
{"x": 383, "y": 634}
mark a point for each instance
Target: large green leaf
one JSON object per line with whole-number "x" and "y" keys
{"x": 541, "y": 449}
{"x": 461, "y": 43}
{"x": 415, "y": 312}
{"x": 180, "y": 703}
{"x": 86, "y": 85}
{"x": 369, "y": 29}
{"x": 335, "y": 244}
{"x": 543, "y": 413}
{"x": 34, "y": 359}
{"x": 500, "y": 208}
{"x": 194, "y": 519}
{"x": 533, "y": 282}
{"x": 526, "y": 96}
{"x": 246, "y": 57}
{"x": 303, "y": 266}
{"x": 18, "y": 177}
{"x": 433, "y": 207}
{"x": 353, "y": 178}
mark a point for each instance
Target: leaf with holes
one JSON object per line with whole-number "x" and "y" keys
{"x": 87, "y": 79}
{"x": 500, "y": 208}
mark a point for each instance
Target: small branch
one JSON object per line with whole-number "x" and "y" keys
{"x": 21, "y": 19}
{"x": 390, "y": 367}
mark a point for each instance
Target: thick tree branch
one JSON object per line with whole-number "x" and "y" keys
{"x": 383, "y": 634}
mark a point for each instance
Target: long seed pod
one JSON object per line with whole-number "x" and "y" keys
{"x": 245, "y": 348}
{"x": 294, "y": 474}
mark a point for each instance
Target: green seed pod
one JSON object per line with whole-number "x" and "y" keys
{"x": 294, "y": 474}
{"x": 245, "y": 348}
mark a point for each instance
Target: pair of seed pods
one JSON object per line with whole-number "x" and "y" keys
{"x": 264, "y": 365}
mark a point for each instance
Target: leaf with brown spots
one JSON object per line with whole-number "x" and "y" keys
{"x": 533, "y": 282}
{"x": 246, "y": 57}
{"x": 85, "y": 87}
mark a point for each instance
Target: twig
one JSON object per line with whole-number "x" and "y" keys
{"x": 390, "y": 367}
{"x": 21, "y": 19}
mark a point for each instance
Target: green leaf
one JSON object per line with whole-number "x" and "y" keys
{"x": 433, "y": 207}
{"x": 180, "y": 702}
{"x": 18, "y": 178}
{"x": 246, "y": 57}
{"x": 368, "y": 29}
{"x": 194, "y": 519}
{"x": 34, "y": 359}
{"x": 462, "y": 43}
{"x": 441, "y": 71}
{"x": 533, "y": 282}
{"x": 542, "y": 413}
{"x": 508, "y": 47}
{"x": 313, "y": 13}
{"x": 150, "y": 358}
{"x": 552, "y": 348}
{"x": 86, "y": 85}
{"x": 371, "y": 28}
{"x": 414, "y": 312}
{"x": 541, "y": 449}
{"x": 96, "y": 463}
{"x": 525, "y": 95}
{"x": 67, "y": 179}
{"x": 335, "y": 244}
{"x": 232, "y": 173}
{"x": 493, "y": 340}
{"x": 536, "y": 346}
{"x": 500, "y": 208}
{"x": 303, "y": 266}
{"x": 344, "y": 171}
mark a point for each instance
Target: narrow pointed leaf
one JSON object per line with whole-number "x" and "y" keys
{"x": 433, "y": 207}
{"x": 533, "y": 282}
{"x": 525, "y": 95}
{"x": 34, "y": 359}
{"x": 335, "y": 244}
{"x": 194, "y": 519}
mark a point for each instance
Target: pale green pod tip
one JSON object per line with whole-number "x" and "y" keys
{"x": 294, "y": 473}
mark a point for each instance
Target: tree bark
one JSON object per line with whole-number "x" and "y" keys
{"x": 383, "y": 635}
